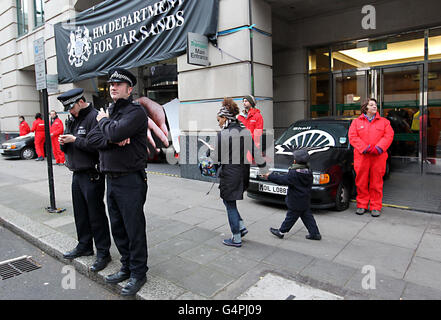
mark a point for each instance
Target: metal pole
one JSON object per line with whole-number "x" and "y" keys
{"x": 48, "y": 150}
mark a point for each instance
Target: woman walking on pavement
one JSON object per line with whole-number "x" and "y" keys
{"x": 233, "y": 141}
{"x": 370, "y": 135}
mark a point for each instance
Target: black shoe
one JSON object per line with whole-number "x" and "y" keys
{"x": 243, "y": 232}
{"x": 75, "y": 253}
{"x": 100, "y": 263}
{"x": 39, "y": 159}
{"x": 133, "y": 286}
{"x": 277, "y": 233}
{"x": 360, "y": 211}
{"x": 313, "y": 237}
{"x": 117, "y": 277}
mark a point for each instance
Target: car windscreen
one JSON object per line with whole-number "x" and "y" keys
{"x": 21, "y": 138}
{"x": 314, "y": 134}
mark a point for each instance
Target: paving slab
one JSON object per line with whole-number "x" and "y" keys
{"x": 424, "y": 272}
{"x": 387, "y": 259}
{"x": 378, "y": 286}
{"x": 392, "y": 233}
{"x": 327, "y": 271}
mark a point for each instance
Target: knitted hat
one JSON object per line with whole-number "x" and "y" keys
{"x": 251, "y": 100}
{"x": 301, "y": 156}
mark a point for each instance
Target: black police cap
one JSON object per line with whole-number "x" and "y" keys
{"x": 122, "y": 75}
{"x": 69, "y": 98}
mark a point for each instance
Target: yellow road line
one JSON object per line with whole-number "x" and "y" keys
{"x": 391, "y": 205}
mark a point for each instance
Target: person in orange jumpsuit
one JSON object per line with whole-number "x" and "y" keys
{"x": 253, "y": 121}
{"x": 370, "y": 135}
{"x": 38, "y": 128}
{"x": 23, "y": 127}
{"x": 56, "y": 129}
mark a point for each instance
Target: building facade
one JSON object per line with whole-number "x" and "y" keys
{"x": 299, "y": 59}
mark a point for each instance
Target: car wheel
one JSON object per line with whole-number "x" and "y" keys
{"x": 27, "y": 153}
{"x": 342, "y": 197}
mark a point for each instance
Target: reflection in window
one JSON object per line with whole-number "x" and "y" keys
{"x": 319, "y": 96}
{"x": 434, "y": 113}
{"x": 38, "y": 13}
{"x": 401, "y": 106}
{"x": 319, "y": 60}
{"x": 22, "y": 17}
{"x": 350, "y": 92}
{"x": 435, "y": 44}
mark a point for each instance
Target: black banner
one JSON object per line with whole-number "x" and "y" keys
{"x": 128, "y": 34}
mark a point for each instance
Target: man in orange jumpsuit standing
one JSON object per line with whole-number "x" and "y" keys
{"x": 253, "y": 119}
{"x": 56, "y": 128}
{"x": 24, "y": 127}
{"x": 38, "y": 128}
{"x": 370, "y": 135}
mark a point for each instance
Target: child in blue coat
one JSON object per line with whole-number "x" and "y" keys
{"x": 299, "y": 181}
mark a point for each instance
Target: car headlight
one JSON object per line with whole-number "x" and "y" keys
{"x": 16, "y": 146}
{"x": 254, "y": 172}
{"x": 320, "y": 178}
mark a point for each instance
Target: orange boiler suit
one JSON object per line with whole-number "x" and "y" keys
{"x": 370, "y": 140}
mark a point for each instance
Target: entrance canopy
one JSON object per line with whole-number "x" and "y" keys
{"x": 129, "y": 34}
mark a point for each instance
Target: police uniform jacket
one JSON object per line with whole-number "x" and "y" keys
{"x": 81, "y": 156}
{"x": 127, "y": 119}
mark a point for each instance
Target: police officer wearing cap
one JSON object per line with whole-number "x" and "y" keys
{"x": 121, "y": 137}
{"x": 88, "y": 183}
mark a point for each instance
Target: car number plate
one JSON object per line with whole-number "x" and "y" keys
{"x": 269, "y": 188}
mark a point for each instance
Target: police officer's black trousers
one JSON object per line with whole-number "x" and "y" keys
{"x": 90, "y": 212}
{"x": 126, "y": 196}
{"x": 308, "y": 220}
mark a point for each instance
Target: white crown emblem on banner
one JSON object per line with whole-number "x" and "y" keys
{"x": 79, "y": 47}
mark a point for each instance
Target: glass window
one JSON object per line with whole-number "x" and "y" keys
{"x": 350, "y": 92}
{"x": 396, "y": 49}
{"x": 318, "y": 60}
{"x": 319, "y": 95}
{"x": 38, "y": 13}
{"x": 22, "y": 17}
{"x": 435, "y": 44}
{"x": 401, "y": 106}
{"x": 161, "y": 81}
{"x": 434, "y": 113}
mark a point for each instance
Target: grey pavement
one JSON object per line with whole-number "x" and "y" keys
{"x": 187, "y": 259}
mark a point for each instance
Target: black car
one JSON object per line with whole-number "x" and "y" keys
{"x": 331, "y": 162}
{"x": 19, "y": 147}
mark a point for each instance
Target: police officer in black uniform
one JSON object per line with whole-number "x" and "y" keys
{"x": 121, "y": 137}
{"x": 88, "y": 183}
